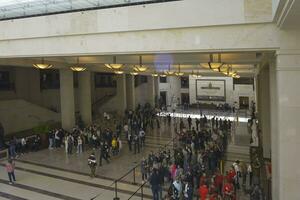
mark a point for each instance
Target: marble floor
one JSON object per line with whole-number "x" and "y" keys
{"x": 51, "y": 174}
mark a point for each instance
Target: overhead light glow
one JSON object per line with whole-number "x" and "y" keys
{"x": 78, "y": 69}
{"x": 134, "y": 73}
{"x": 119, "y": 72}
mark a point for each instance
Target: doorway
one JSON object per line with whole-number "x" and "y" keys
{"x": 244, "y": 102}
{"x": 163, "y": 98}
{"x": 185, "y": 98}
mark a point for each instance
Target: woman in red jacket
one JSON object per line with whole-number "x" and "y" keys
{"x": 203, "y": 191}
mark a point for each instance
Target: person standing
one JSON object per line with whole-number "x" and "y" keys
{"x": 70, "y": 144}
{"x": 189, "y": 122}
{"x": 203, "y": 191}
{"x": 197, "y": 124}
{"x": 249, "y": 171}
{"x": 79, "y": 145}
{"x": 66, "y": 143}
{"x": 154, "y": 182}
{"x": 188, "y": 191}
{"x": 92, "y": 163}
{"x": 129, "y": 140}
{"x": 142, "y": 137}
{"x": 10, "y": 169}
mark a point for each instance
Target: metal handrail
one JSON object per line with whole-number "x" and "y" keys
{"x": 133, "y": 169}
{"x": 140, "y": 188}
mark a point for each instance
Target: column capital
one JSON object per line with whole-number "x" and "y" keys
{"x": 288, "y": 60}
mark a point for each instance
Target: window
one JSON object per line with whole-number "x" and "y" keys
{"x": 163, "y": 79}
{"x": 5, "y": 81}
{"x": 49, "y": 79}
{"x": 105, "y": 80}
{"x": 243, "y": 81}
{"x": 184, "y": 82}
{"x": 140, "y": 79}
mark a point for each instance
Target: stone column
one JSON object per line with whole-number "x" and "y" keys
{"x": 121, "y": 93}
{"x": 273, "y": 127}
{"x": 85, "y": 96}
{"x": 151, "y": 90}
{"x": 285, "y": 146}
{"x": 156, "y": 84}
{"x": 67, "y": 99}
{"x": 264, "y": 112}
{"x": 130, "y": 88}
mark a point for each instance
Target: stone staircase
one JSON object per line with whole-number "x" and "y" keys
{"x": 236, "y": 152}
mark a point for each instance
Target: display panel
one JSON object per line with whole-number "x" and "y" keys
{"x": 210, "y": 90}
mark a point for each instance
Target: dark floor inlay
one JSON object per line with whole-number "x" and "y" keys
{"x": 80, "y": 182}
{"x": 10, "y": 196}
{"x": 37, "y": 190}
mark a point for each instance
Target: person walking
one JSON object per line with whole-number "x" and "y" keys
{"x": 92, "y": 162}
{"x": 10, "y": 169}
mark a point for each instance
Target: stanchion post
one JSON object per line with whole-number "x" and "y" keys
{"x": 142, "y": 192}
{"x": 134, "y": 176}
{"x": 116, "y": 191}
{"x": 221, "y": 166}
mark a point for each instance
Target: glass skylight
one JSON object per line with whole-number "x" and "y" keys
{"x": 24, "y": 8}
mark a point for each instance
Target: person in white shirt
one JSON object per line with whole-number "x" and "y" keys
{"x": 142, "y": 137}
{"x": 23, "y": 144}
{"x": 66, "y": 144}
{"x": 249, "y": 171}
{"x": 79, "y": 145}
{"x": 237, "y": 170}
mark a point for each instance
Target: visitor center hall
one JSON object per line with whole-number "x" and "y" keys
{"x": 149, "y": 99}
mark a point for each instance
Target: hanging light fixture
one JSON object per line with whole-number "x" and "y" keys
{"x": 78, "y": 67}
{"x": 169, "y": 72}
{"x": 114, "y": 65}
{"x": 42, "y": 65}
{"x": 163, "y": 75}
{"x": 179, "y": 73}
{"x": 228, "y": 71}
{"x": 134, "y": 73}
{"x": 215, "y": 66}
{"x": 154, "y": 75}
{"x": 140, "y": 67}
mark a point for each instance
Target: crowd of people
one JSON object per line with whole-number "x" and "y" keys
{"x": 19, "y": 146}
{"x": 190, "y": 168}
{"x": 193, "y": 168}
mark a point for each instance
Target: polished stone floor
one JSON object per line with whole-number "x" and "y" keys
{"x": 51, "y": 174}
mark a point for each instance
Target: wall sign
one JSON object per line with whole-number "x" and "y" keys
{"x": 210, "y": 90}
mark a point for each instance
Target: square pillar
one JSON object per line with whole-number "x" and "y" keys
{"x": 67, "y": 99}
{"x": 151, "y": 90}
{"x": 285, "y": 145}
{"x": 121, "y": 93}
{"x": 85, "y": 97}
{"x": 130, "y": 88}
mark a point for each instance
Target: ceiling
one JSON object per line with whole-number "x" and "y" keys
{"x": 25, "y": 8}
{"x": 244, "y": 63}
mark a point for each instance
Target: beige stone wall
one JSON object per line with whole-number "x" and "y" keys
{"x": 257, "y": 10}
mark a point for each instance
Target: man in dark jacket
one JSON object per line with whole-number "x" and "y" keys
{"x": 155, "y": 184}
